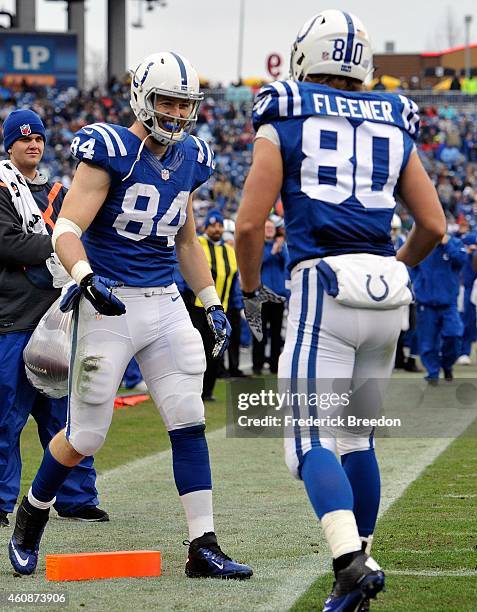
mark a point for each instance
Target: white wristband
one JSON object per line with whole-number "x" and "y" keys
{"x": 209, "y": 297}
{"x": 80, "y": 270}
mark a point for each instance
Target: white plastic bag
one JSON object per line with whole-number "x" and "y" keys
{"x": 47, "y": 354}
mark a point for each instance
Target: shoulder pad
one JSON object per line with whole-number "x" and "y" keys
{"x": 276, "y": 100}
{"x": 98, "y": 143}
{"x": 410, "y": 116}
{"x": 201, "y": 151}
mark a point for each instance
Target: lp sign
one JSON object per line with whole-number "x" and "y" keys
{"x": 41, "y": 58}
{"x": 32, "y": 58}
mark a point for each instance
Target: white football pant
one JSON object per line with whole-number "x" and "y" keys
{"x": 329, "y": 346}
{"x": 157, "y": 330}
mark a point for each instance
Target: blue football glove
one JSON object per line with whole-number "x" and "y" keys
{"x": 253, "y": 301}
{"x": 221, "y": 329}
{"x": 97, "y": 290}
{"x": 71, "y": 298}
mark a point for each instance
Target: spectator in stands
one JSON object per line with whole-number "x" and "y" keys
{"x": 469, "y": 85}
{"x": 455, "y": 83}
{"x": 447, "y": 112}
{"x": 379, "y": 86}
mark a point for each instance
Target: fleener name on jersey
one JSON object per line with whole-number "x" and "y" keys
{"x": 356, "y": 109}
{"x": 289, "y": 99}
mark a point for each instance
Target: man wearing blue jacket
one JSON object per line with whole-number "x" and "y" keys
{"x": 439, "y": 325}
{"x": 273, "y": 275}
{"x": 469, "y": 335}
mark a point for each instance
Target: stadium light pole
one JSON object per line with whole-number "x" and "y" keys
{"x": 240, "y": 42}
{"x": 467, "y": 21}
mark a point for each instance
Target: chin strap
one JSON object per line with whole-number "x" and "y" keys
{"x": 138, "y": 157}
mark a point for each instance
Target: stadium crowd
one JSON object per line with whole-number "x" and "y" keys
{"x": 447, "y": 147}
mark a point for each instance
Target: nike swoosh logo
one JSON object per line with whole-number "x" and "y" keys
{"x": 219, "y": 565}
{"x": 176, "y": 298}
{"x": 86, "y": 131}
{"x": 22, "y": 562}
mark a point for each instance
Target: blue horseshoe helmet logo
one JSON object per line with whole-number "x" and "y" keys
{"x": 377, "y": 298}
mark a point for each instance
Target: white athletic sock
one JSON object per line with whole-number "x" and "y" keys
{"x": 39, "y": 504}
{"x": 199, "y": 513}
{"x": 369, "y": 543}
{"x": 341, "y": 532}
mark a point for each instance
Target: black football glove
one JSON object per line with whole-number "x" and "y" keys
{"x": 253, "y": 301}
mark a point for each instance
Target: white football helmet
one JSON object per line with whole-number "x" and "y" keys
{"x": 332, "y": 43}
{"x": 165, "y": 74}
{"x": 396, "y": 222}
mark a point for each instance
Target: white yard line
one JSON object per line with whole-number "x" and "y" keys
{"x": 432, "y": 573}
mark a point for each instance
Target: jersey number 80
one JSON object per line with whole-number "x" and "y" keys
{"x": 344, "y": 161}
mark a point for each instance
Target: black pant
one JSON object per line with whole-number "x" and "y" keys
{"x": 233, "y": 315}
{"x": 199, "y": 321}
{"x": 272, "y": 317}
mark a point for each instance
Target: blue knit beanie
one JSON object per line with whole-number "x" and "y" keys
{"x": 21, "y": 123}
{"x": 214, "y": 216}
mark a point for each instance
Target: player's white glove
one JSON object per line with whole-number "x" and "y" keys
{"x": 253, "y": 301}
{"x": 221, "y": 329}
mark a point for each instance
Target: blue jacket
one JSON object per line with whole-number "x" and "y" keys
{"x": 274, "y": 269}
{"x": 436, "y": 279}
{"x": 468, "y": 274}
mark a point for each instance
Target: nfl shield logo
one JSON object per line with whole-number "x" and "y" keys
{"x": 25, "y": 129}
{"x": 165, "y": 174}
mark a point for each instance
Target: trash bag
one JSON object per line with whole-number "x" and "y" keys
{"x": 47, "y": 354}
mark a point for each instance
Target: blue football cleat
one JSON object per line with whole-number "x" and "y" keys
{"x": 25, "y": 542}
{"x": 355, "y": 585}
{"x": 206, "y": 560}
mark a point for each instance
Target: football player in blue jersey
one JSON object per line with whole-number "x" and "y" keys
{"x": 125, "y": 223}
{"x": 339, "y": 156}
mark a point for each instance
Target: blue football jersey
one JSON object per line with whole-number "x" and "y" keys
{"x": 343, "y": 153}
{"x": 131, "y": 239}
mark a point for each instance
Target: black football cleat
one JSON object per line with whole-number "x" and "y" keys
{"x": 4, "y": 522}
{"x": 25, "y": 542}
{"x": 87, "y": 514}
{"x": 206, "y": 560}
{"x": 361, "y": 580}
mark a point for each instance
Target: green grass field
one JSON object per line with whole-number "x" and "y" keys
{"x": 426, "y": 537}
{"x": 427, "y": 541}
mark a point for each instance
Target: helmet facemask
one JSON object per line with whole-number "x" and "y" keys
{"x": 165, "y": 128}
{"x": 165, "y": 75}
